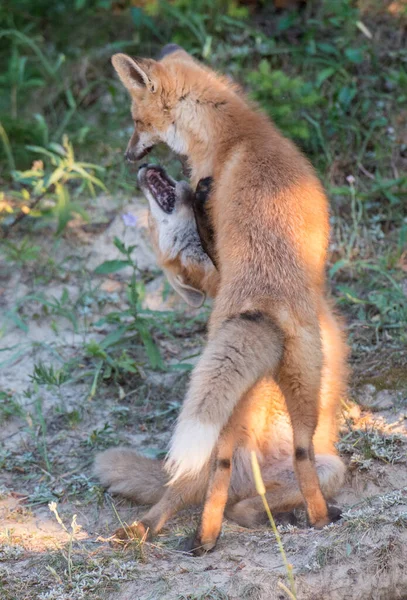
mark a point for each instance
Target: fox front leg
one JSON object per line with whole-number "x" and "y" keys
{"x": 202, "y": 217}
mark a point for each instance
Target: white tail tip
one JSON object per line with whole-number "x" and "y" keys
{"x": 191, "y": 447}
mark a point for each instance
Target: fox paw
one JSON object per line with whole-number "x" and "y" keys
{"x": 193, "y": 545}
{"x": 334, "y": 514}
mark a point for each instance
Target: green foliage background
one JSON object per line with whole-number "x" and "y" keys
{"x": 332, "y": 75}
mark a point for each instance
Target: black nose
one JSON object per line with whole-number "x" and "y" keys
{"x": 143, "y": 166}
{"x": 129, "y": 156}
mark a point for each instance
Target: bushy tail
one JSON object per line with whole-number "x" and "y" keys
{"x": 244, "y": 349}
{"x": 123, "y": 471}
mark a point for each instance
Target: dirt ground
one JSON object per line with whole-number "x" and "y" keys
{"x": 50, "y": 435}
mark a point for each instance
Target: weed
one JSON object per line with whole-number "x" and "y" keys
{"x": 21, "y": 253}
{"x": 40, "y": 184}
{"x": 369, "y": 443}
{"x": 261, "y": 490}
{"x": 43, "y": 375}
{"x": 37, "y": 427}
{"x": 73, "y": 533}
{"x": 100, "y": 438}
{"x": 41, "y": 494}
{"x": 9, "y": 407}
{"x": 289, "y": 101}
{"x": 213, "y": 593}
{"x": 252, "y": 591}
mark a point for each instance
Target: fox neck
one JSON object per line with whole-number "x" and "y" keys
{"x": 199, "y": 132}
{"x": 193, "y": 143}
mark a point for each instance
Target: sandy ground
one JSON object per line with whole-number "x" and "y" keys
{"x": 48, "y": 444}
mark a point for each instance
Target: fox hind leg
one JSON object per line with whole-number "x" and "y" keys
{"x": 180, "y": 494}
{"x": 300, "y": 381}
{"x": 210, "y": 524}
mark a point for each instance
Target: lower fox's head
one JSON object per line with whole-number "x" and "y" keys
{"x": 174, "y": 234}
{"x": 171, "y": 99}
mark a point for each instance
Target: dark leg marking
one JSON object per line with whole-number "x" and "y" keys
{"x": 301, "y": 454}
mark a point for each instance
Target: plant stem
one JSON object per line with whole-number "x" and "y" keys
{"x": 7, "y": 148}
{"x": 261, "y": 490}
{"x": 22, "y": 214}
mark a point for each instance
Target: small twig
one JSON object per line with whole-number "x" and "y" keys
{"x": 366, "y": 172}
{"x": 22, "y": 214}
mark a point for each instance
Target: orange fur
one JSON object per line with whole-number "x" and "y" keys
{"x": 270, "y": 215}
{"x": 260, "y": 422}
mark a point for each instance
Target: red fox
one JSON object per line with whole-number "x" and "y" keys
{"x": 261, "y": 421}
{"x": 270, "y": 217}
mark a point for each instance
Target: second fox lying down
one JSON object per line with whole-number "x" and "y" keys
{"x": 260, "y": 422}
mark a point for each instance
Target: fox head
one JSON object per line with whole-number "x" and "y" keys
{"x": 174, "y": 100}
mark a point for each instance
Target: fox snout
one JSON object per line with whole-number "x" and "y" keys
{"x": 132, "y": 156}
{"x": 136, "y": 149}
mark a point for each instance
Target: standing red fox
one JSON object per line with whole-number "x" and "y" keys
{"x": 270, "y": 217}
{"x": 260, "y": 422}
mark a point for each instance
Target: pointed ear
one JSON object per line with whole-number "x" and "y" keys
{"x": 191, "y": 295}
{"x": 135, "y": 74}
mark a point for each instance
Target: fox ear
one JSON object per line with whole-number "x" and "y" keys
{"x": 191, "y": 295}
{"x": 135, "y": 74}
{"x": 174, "y": 49}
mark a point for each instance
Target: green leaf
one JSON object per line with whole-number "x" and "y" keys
{"x": 182, "y": 367}
{"x": 337, "y": 266}
{"x": 40, "y": 150}
{"x": 63, "y": 207}
{"x": 150, "y": 346}
{"x": 346, "y": 96}
{"x": 87, "y": 176}
{"x": 323, "y": 75}
{"x": 120, "y": 246}
{"x": 111, "y": 266}
{"x": 141, "y": 20}
{"x": 94, "y": 349}
{"x": 58, "y": 149}
{"x": 354, "y": 55}
{"x": 55, "y": 176}
{"x": 113, "y": 337}
{"x": 328, "y": 48}
{"x": 15, "y": 317}
{"x": 348, "y": 294}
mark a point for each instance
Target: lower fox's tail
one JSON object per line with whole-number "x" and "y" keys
{"x": 123, "y": 471}
{"x": 244, "y": 349}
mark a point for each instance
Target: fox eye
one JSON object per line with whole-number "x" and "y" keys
{"x": 141, "y": 124}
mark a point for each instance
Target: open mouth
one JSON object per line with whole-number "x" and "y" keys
{"x": 144, "y": 152}
{"x": 132, "y": 158}
{"x": 160, "y": 186}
